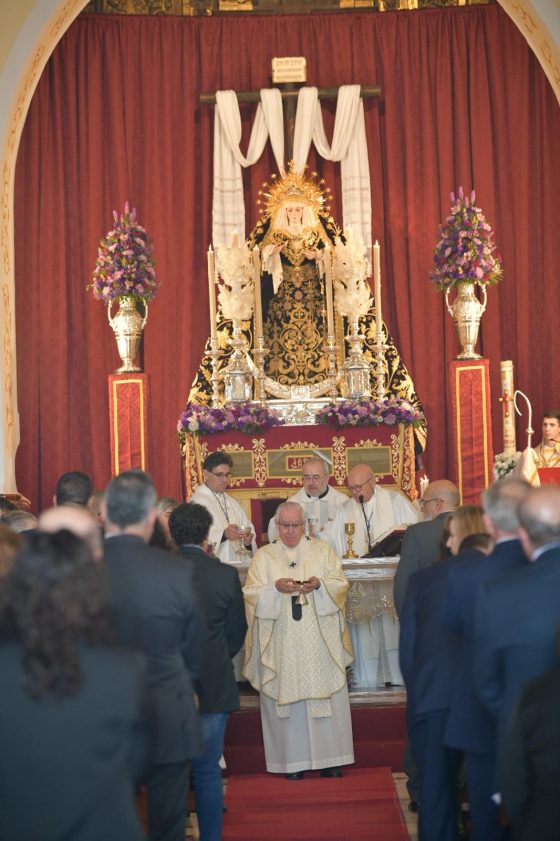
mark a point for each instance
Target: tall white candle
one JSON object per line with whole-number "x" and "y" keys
{"x": 212, "y": 293}
{"x": 329, "y": 291}
{"x": 234, "y": 239}
{"x": 257, "y": 287}
{"x": 377, "y": 279}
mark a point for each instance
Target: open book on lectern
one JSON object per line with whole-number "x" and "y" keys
{"x": 388, "y": 544}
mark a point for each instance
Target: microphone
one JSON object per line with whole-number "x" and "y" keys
{"x": 361, "y": 500}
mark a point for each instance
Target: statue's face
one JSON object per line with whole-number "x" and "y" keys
{"x": 294, "y": 213}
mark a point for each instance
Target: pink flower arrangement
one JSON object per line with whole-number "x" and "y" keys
{"x": 390, "y": 411}
{"x": 466, "y": 250}
{"x": 245, "y": 417}
{"x": 124, "y": 263}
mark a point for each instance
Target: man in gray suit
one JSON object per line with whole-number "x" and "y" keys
{"x": 419, "y": 549}
{"x": 420, "y": 543}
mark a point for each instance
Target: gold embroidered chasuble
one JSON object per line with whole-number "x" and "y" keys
{"x": 289, "y": 660}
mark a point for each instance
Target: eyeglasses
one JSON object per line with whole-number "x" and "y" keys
{"x": 424, "y": 502}
{"x": 353, "y": 488}
{"x": 220, "y": 474}
{"x": 289, "y": 525}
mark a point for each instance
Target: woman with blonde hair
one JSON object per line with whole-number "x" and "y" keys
{"x": 465, "y": 521}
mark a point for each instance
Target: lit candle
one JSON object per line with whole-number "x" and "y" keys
{"x": 257, "y": 288}
{"x": 377, "y": 279}
{"x": 212, "y": 293}
{"x": 234, "y": 240}
{"x": 329, "y": 291}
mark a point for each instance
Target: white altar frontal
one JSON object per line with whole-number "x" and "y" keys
{"x": 372, "y": 620}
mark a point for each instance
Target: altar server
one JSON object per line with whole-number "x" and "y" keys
{"x": 297, "y": 654}
{"x": 231, "y": 529}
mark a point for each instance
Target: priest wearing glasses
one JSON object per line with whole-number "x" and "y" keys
{"x": 297, "y": 650}
{"x": 232, "y": 535}
{"x": 374, "y": 510}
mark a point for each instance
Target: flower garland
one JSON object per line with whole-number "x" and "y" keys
{"x": 466, "y": 248}
{"x": 245, "y": 417}
{"x": 124, "y": 263}
{"x": 390, "y": 411}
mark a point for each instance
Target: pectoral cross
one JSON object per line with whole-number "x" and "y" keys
{"x": 289, "y": 93}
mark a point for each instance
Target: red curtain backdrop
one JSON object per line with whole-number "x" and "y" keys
{"x": 116, "y": 116}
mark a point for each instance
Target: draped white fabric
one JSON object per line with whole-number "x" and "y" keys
{"x": 349, "y": 146}
{"x": 228, "y": 211}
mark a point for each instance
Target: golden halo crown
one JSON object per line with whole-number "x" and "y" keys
{"x": 294, "y": 186}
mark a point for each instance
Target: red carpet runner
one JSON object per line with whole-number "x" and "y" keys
{"x": 361, "y": 806}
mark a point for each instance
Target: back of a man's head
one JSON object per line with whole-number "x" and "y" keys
{"x": 77, "y": 520}
{"x": 189, "y": 523}
{"x": 73, "y": 488}
{"x": 539, "y": 515}
{"x": 20, "y": 521}
{"x": 130, "y": 499}
{"x": 501, "y": 502}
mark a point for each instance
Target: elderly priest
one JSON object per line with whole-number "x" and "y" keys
{"x": 374, "y": 511}
{"x": 297, "y": 650}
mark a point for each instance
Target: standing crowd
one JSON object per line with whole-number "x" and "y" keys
{"x": 122, "y": 619}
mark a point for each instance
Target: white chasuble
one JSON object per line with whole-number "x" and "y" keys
{"x": 299, "y": 667}
{"x": 225, "y": 510}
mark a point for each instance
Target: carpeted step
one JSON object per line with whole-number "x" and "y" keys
{"x": 361, "y": 805}
{"x": 379, "y": 734}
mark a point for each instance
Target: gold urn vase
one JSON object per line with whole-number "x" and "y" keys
{"x": 466, "y": 311}
{"x": 127, "y": 326}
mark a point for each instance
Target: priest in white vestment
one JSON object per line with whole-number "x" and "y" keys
{"x": 374, "y": 510}
{"x": 231, "y": 529}
{"x": 319, "y": 500}
{"x": 296, "y": 655}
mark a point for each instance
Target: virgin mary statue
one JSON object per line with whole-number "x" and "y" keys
{"x": 292, "y": 232}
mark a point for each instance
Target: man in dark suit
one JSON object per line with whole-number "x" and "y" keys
{"x": 219, "y": 589}
{"x": 470, "y": 727}
{"x": 155, "y": 609}
{"x": 531, "y": 760}
{"x": 428, "y": 657}
{"x": 419, "y": 548}
{"x": 517, "y": 615}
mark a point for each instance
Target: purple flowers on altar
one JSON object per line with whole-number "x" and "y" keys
{"x": 465, "y": 252}
{"x": 124, "y": 264}
{"x": 390, "y": 411}
{"x": 244, "y": 417}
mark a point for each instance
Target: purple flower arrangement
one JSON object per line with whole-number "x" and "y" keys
{"x": 124, "y": 263}
{"x": 390, "y": 411}
{"x": 245, "y": 417}
{"x": 466, "y": 250}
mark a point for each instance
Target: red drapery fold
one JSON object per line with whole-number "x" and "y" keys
{"x": 116, "y": 116}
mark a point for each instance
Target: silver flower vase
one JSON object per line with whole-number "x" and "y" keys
{"x": 127, "y": 326}
{"x": 466, "y": 311}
